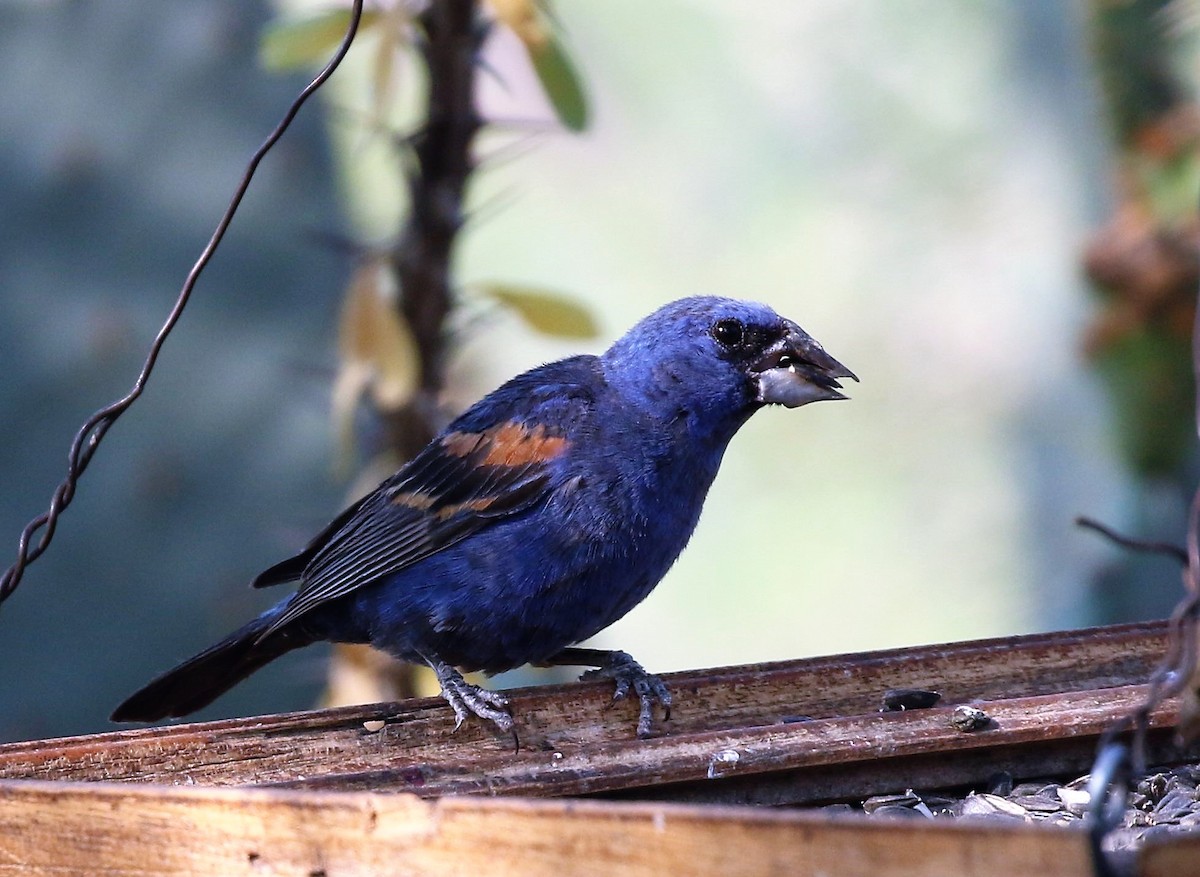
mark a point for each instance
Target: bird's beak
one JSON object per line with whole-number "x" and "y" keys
{"x": 796, "y": 370}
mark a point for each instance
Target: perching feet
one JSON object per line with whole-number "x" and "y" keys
{"x": 467, "y": 699}
{"x": 628, "y": 674}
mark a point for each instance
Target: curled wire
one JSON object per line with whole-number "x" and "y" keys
{"x": 89, "y": 436}
{"x": 1171, "y": 675}
{"x": 1108, "y": 787}
{"x": 1117, "y": 763}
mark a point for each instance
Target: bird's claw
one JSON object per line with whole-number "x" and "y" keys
{"x": 628, "y": 675}
{"x": 472, "y": 700}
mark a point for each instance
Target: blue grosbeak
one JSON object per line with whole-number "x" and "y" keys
{"x": 536, "y": 519}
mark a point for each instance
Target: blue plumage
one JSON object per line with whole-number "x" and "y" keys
{"x": 536, "y": 519}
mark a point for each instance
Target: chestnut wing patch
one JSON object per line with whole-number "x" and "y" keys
{"x": 456, "y": 486}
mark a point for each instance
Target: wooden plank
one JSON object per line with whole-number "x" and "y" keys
{"x": 923, "y": 771}
{"x": 875, "y": 738}
{"x": 73, "y": 828}
{"x": 1177, "y": 857}
{"x": 575, "y": 741}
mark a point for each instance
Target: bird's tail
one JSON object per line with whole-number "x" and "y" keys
{"x": 200, "y": 680}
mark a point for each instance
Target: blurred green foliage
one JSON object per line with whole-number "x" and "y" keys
{"x": 1148, "y": 374}
{"x": 297, "y": 42}
{"x": 1143, "y": 262}
{"x": 1133, "y": 49}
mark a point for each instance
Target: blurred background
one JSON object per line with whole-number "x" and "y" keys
{"x": 916, "y": 184}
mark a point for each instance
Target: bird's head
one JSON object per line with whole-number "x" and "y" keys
{"x": 723, "y": 355}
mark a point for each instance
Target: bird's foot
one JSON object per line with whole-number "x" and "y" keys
{"x": 472, "y": 700}
{"x": 628, "y": 675}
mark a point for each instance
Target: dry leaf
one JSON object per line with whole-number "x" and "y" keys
{"x": 395, "y": 36}
{"x": 378, "y": 352}
{"x": 522, "y": 18}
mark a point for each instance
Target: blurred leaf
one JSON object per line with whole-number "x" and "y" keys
{"x": 522, "y": 17}
{"x": 543, "y": 310}
{"x": 561, "y": 83}
{"x": 374, "y": 332}
{"x": 378, "y": 352}
{"x": 1170, "y": 186}
{"x": 297, "y": 42}
{"x": 1148, "y": 374}
{"x": 396, "y": 26}
{"x": 349, "y": 386}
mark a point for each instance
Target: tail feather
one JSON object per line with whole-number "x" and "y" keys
{"x": 200, "y": 680}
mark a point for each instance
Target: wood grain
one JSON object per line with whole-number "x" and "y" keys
{"x": 71, "y": 828}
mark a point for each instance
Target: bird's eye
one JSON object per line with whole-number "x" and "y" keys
{"x": 729, "y": 333}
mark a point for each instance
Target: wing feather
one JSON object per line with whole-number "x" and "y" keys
{"x": 498, "y": 460}
{"x": 439, "y": 499}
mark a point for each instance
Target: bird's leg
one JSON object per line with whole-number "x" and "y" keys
{"x": 467, "y": 699}
{"x": 627, "y": 673}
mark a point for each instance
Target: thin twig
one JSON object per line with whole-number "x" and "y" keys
{"x": 1143, "y": 545}
{"x": 89, "y": 436}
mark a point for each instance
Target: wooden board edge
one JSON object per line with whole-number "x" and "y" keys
{"x": 1176, "y": 856}
{"x": 118, "y": 829}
